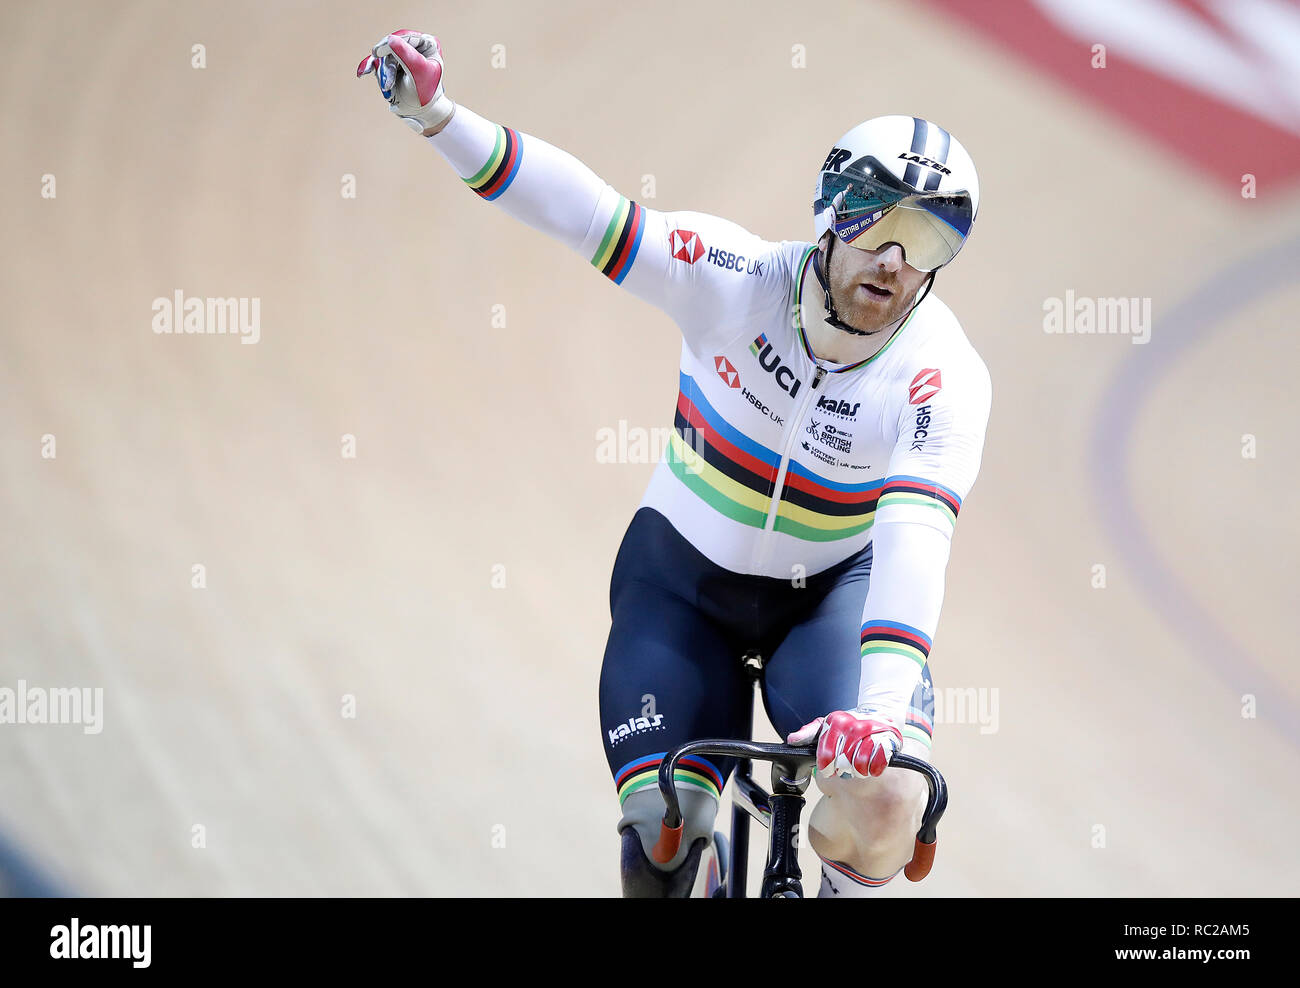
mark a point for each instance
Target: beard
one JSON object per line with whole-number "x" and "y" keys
{"x": 863, "y": 311}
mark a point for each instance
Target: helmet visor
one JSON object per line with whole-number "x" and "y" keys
{"x": 872, "y": 208}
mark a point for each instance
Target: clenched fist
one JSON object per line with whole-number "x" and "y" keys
{"x": 408, "y": 66}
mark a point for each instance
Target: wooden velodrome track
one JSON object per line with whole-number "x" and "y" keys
{"x": 473, "y": 764}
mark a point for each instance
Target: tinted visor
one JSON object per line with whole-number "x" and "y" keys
{"x": 874, "y": 208}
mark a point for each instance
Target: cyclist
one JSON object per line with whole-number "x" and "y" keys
{"x": 829, "y": 423}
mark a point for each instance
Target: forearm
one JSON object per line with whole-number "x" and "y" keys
{"x": 901, "y": 612}
{"x": 533, "y": 181}
{"x": 632, "y": 246}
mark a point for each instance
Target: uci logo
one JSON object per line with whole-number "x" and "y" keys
{"x": 771, "y": 363}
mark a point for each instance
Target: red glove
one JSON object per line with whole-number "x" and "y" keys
{"x": 853, "y": 743}
{"x": 408, "y": 65}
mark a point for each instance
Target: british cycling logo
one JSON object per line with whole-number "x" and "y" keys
{"x": 836, "y": 439}
{"x": 727, "y": 371}
{"x": 771, "y": 363}
{"x": 838, "y": 407}
{"x": 635, "y": 725}
{"x": 686, "y": 245}
{"x": 826, "y": 434}
{"x": 924, "y": 386}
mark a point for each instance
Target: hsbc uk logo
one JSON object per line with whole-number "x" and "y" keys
{"x": 728, "y": 261}
{"x": 727, "y": 371}
{"x": 922, "y": 428}
{"x": 924, "y": 386}
{"x": 685, "y": 246}
{"x": 731, "y": 378}
{"x": 770, "y": 362}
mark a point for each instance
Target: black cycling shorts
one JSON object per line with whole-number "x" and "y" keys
{"x": 673, "y": 672}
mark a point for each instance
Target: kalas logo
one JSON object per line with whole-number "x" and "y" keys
{"x": 771, "y": 363}
{"x": 838, "y": 407}
{"x": 727, "y": 372}
{"x": 635, "y": 725}
{"x": 924, "y": 386}
{"x": 685, "y": 246}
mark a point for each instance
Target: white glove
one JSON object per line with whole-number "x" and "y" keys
{"x": 408, "y": 65}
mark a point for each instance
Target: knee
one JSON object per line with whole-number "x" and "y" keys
{"x": 643, "y": 812}
{"x": 877, "y": 816}
{"x": 643, "y": 877}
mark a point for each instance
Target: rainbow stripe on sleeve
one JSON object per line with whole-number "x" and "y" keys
{"x": 495, "y": 177}
{"x": 890, "y": 637}
{"x": 901, "y": 489}
{"x": 621, "y": 242}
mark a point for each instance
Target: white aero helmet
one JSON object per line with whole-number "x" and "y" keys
{"x": 899, "y": 180}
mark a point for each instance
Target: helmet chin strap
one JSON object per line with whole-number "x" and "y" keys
{"x": 832, "y": 317}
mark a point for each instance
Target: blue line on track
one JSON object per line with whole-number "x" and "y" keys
{"x": 1187, "y": 325}
{"x": 20, "y": 878}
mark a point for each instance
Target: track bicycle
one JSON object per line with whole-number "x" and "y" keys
{"x": 778, "y": 810}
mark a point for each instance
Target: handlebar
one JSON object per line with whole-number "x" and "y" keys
{"x": 795, "y": 762}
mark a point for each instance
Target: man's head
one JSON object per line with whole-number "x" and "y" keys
{"x": 895, "y": 200}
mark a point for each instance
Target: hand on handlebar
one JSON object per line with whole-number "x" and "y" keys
{"x": 855, "y": 744}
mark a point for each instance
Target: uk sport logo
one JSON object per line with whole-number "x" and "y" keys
{"x": 924, "y": 386}
{"x": 686, "y": 246}
{"x": 726, "y": 371}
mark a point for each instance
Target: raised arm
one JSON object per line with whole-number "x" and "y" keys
{"x": 707, "y": 273}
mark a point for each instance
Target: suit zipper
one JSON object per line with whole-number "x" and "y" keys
{"x": 796, "y": 427}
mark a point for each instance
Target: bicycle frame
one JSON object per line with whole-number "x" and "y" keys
{"x": 780, "y": 810}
